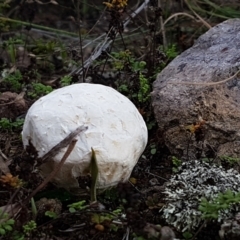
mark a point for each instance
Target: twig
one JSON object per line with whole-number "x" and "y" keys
{"x": 208, "y": 84}
{"x": 198, "y": 231}
{"x": 93, "y": 27}
{"x": 126, "y": 235}
{"x": 106, "y": 42}
{"x": 64, "y": 143}
{"x": 157, "y": 176}
{"x": 136, "y": 12}
{"x": 54, "y": 172}
{"x": 5, "y": 209}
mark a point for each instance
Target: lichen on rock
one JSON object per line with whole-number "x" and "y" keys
{"x": 184, "y": 191}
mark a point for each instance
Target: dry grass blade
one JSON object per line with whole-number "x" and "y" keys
{"x": 3, "y": 165}
{"x": 209, "y": 83}
{"x": 198, "y": 16}
{"x": 178, "y": 14}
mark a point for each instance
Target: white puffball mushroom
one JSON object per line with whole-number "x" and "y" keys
{"x": 115, "y": 130}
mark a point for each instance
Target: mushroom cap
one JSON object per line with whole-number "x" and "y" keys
{"x": 116, "y": 132}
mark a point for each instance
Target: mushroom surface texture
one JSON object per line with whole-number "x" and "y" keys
{"x": 115, "y": 130}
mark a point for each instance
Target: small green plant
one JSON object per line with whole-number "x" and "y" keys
{"x": 138, "y": 66}
{"x": 231, "y": 160}
{"x": 136, "y": 237}
{"x": 9, "y": 125}
{"x": 6, "y": 223}
{"x": 29, "y": 227}
{"x": 144, "y": 90}
{"x": 150, "y": 123}
{"x": 153, "y": 149}
{"x": 16, "y": 235}
{"x": 171, "y": 52}
{"x": 187, "y": 235}
{"x": 77, "y": 206}
{"x": 66, "y": 80}
{"x": 34, "y": 208}
{"x": 39, "y": 90}
{"x": 223, "y": 202}
{"x": 51, "y": 214}
{"x": 176, "y": 164}
{"x": 154, "y": 201}
{"x": 12, "y": 81}
{"x": 123, "y": 88}
{"x": 120, "y": 59}
{"x": 10, "y": 47}
{"x": 124, "y": 61}
{"x": 43, "y": 47}
{"x": 106, "y": 219}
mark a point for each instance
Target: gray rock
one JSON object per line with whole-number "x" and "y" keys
{"x": 178, "y": 104}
